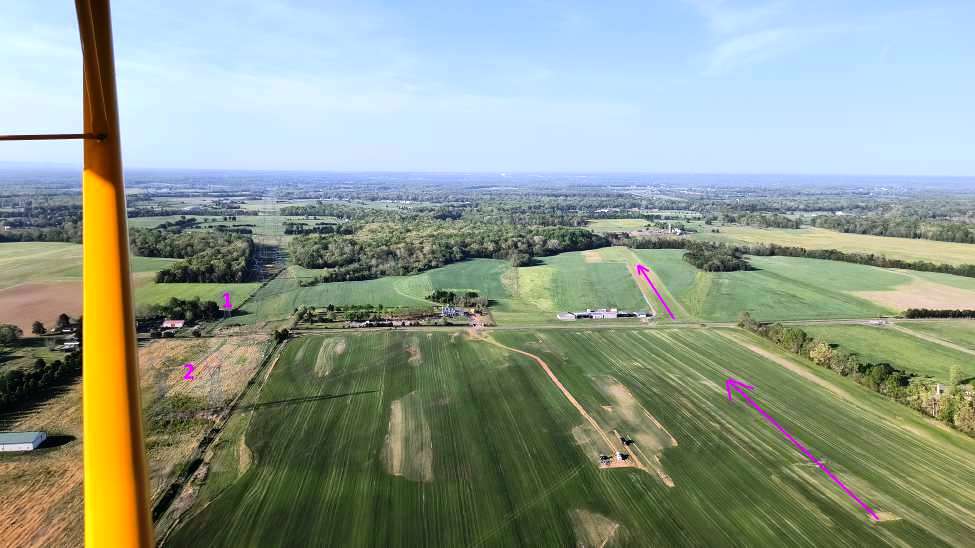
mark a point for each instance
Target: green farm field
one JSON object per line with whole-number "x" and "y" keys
{"x": 43, "y": 262}
{"x": 570, "y": 281}
{"x": 437, "y": 439}
{"x": 902, "y": 350}
{"x": 603, "y": 226}
{"x": 820, "y": 238}
{"x": 39, "y": 280}
{"x": 784, "y": 288}
{"x": 960, "y": 332}
{"x": 154, "y": 293}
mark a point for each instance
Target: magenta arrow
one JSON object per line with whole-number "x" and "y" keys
{"x": 742, "y": 389}
{"x": 644, "y": 271}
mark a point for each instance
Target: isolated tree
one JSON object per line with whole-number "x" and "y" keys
{"x": 9, "y": 333}
{"x": 37, "y": 328}
{"x": 63, "y": 321}
{"x": 954, "y": 376}
{"x": 820, "y": 352}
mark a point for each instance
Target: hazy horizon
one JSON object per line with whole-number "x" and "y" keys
{"x": 678, "y": 86}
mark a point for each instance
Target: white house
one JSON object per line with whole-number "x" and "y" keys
{"x": 21, "y": 441}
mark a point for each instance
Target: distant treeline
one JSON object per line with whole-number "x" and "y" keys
{"x": 935, "y": 313}
{"x": 762, "y": 220}
{"x": 193, "y": 310}
{"x": 319, "y": 228}
{"x": 899, "y": 227}
{"x": 725, "y": 255}
{"x": 21, "y": 385}
{"x": 69, "y": 232}
{"x": 229, "y": 263}
{"x": 952, "y": 407}
{"x": 402, "y": 249}
{"x": 211, "y": 256}
{"x": 858, "y": 258}
{"x": 202, "y": 211}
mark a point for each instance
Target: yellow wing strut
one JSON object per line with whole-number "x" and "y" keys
{"x": 116, "y": 487}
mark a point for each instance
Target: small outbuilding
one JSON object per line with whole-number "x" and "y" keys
{"x": 21, "y": 441}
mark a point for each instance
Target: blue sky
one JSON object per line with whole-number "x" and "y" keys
{"x": 703, "y": 86}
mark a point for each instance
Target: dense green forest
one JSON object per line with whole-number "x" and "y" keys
{"x": 712, "y": 257}
{"x": 228, "y": 263}
{"x": 388, "y": 249}
{"x": 211, "y": 256}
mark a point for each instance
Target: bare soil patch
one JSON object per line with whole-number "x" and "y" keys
{"x": 628, "y": 418}
{"x": 22, "y": 304}
{"x": 330, "y": 349}
{"x": 592, "y": 529}
{"x": 244, "y": 455}
{"x": 592, "y": 256}
{"x": 921, "y": 293}
{"x": 409, "y": 447}
{"x": 412, "y": 348}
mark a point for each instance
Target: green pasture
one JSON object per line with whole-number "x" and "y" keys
{"x": 519, "y": 295}
{"x": 902, "y": 350}
{"x": 23, "y": 262}
{"x": 820, "y": 238}
{"x": 780, "y": 288}
{"x": 603, "y": 226}
{"x": 154, "y": 293}
{"x": 960, "y": 332}
{"x": 488, "y": 453}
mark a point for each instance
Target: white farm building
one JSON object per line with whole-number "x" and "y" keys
{"x": 21, "y": 441}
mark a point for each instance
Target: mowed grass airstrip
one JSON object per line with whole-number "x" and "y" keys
{"x": 440, "y": 439}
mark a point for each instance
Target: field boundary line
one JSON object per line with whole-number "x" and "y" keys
{"x": 162, "y": 506}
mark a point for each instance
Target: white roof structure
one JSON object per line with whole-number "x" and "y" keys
{"x": 21, "y": 441}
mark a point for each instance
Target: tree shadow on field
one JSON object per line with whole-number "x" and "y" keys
{"x": 298, "y": 401}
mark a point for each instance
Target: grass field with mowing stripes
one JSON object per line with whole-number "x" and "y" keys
{"x": 489, "y": 453}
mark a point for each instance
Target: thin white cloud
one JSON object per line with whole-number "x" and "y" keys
{"x": 726, "y": 17}
{"x": 747, "y": 49}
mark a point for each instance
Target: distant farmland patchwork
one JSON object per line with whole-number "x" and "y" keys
{"x": 780, "y": 288}
{"x": 570, "y": 281}
{"x": 783, "y": 288}
{"x": 821, "y": 238}
{"x": 439, "y": 439}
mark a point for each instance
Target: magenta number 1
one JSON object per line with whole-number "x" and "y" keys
{"x": 226, "y": 301}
